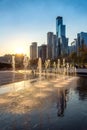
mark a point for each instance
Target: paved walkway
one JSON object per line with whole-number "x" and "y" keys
{"x": 10, "y": 76}
{"x": 17, "y": 107}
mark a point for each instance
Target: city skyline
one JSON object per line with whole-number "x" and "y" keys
{"x": 25, "y": 21}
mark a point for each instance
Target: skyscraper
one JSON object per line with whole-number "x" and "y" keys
{"x": 81, "y": 39}
{"x": 54, "y": 47}
{"x": 60, "y": 28}
{"x": 49, "y": 45}
{"x": 73, "y": 47}
{"x": 62, "y": 41}
{"x": 33, "y": 50}
{"x": 39, "y": 51}
{"x": 42, "y": 51}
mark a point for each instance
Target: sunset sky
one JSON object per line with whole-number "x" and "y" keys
{"x": 25, "y": 21}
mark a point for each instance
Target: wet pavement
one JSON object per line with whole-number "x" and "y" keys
{"x": 55, "y": 103}
{"x": 7, "y": 77}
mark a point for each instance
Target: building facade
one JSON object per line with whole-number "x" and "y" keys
{"x": 42, "y": 52}
{"x": 62, "y": 41}
{"x": 33, "y": 50}
{"x": 73, "y": 47}
{"x": 49, "y": 45}
{"x": 39, "y": 51}
{"x": 81, "y": 39}
{"x": 54, "y": 46}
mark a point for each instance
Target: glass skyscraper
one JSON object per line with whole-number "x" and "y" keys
{"x": 60, "y": 28}
{"x": 54, "y": 48}
{"x": 49, "y": 45}
{"x": 62, "y": 42}
{"x": 81, "y": 39}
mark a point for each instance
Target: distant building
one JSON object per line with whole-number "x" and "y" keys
{"x": 39, "y": 51}
{"x": 6, "y": 59}
{"x": 54, "y": 46}
{"x": 82, "y": 37}
{"x": 33, "y": 50}
{"x": 73, "y": 47}
{"x": 62, "y": 42}
{"x": 49, "y": 45}
{"x": 42, "y": 51}
{"x": 60, "y": 28}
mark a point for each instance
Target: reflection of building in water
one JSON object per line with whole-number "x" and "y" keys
{"x": 82, "y": 88}
{"x": 61, "y": 104}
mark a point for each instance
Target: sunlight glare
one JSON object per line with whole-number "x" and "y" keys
{"x": 19, "y": 51}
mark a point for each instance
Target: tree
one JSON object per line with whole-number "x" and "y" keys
{"x": 83, "y": 53}
{"x": 73, "y": 57}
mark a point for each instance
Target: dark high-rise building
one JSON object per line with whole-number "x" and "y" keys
{"x": 81, "y": 39}
{"x": 59, "y": 20}
{"x": 42, "y": 51}
{"x": 73, "y": 47}
{"x": 62, "y": 41}
{"x": 49, "y": 45}
{"x": 54, "y": 47}
{"x": 33, "y": 50}
{"x": 39, "y": 51}
{"x": 60, "y": 28}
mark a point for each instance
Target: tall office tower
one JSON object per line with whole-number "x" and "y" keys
{"x": 42, "y": 51}
{"x": 33, "y": 50}
{"x": 49, "y": 45}
{"x": 81, "y": 39}
{"x": 60, "y": 28}
{"x": 39, "y": 51}
{"x": 73, "y": 47}
{"x": 62, "y": 42}
{"x": 54, "y": 47}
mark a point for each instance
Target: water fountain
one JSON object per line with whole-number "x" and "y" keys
{"x": 13, "y": 72}
{"x": 40, "y": 67}
{"x": 47, "y": 66}
{"x": 67, "y": 65}
{"x": 25, "y": 63}
{"x": 13, "y": 67}
{"x": 58, "y": 65}
{"x": 64, "y": 69}
{"x": 54, "y": 67}
{"x": 74, "y": 70}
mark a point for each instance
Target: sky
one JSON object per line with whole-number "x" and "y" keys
{"x": 25, "y": 21}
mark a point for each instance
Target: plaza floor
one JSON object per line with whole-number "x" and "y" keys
{"x": 50, "y": 103}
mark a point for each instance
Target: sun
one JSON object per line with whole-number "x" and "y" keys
{"x": 19, "y": 51}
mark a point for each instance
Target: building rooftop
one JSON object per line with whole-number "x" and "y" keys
{"x": 59, "y": 17}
